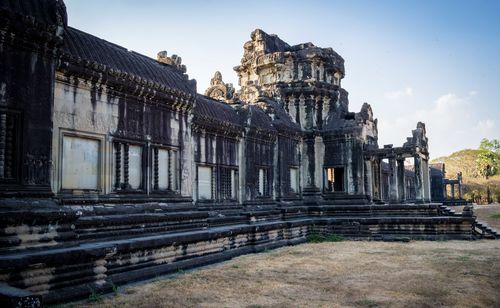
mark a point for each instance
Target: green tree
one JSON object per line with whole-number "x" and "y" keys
{"x": 488, "y": 159}
{"x": 490, "y": 145}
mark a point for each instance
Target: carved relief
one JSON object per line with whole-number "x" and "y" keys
{"x": 219, "y": 90}
{"x": 36, "y": 169}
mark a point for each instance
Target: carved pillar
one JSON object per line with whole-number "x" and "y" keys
{"x": 155, "y": 169}
{"x": 393, "y": 181}
{"x": 452, "y": 191}
{"x": 170, "y": 168}
{"x": 445, "y": 191}
{"x": 9, "y": 148}
{"x": 401, "y": 180}
{"x": 3, "y": 138}
{"x": 118, "y": 164}
{"x": 125, "y": 165}
{"x": 419, "y": 193}
{"x": 287, "y": 101}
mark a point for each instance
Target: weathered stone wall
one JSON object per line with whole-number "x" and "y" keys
{"x": 29, "y": 44}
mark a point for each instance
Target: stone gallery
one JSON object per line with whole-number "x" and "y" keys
{"x": 114, "y": 169}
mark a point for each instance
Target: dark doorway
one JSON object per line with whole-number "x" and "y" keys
{"x": 334, "y": 179}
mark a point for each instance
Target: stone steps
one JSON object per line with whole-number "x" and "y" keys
{"x": 483, "y": 230}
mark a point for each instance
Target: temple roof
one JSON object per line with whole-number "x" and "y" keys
{"x": 49, "y": 12}
{"x": 84, "y": 46}
{"x": 259, "y": 119}
{"x": 215, "y": 111}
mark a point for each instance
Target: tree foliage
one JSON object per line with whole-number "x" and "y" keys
{"x": 488, "y": 159}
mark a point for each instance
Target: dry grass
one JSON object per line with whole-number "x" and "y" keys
{"x": 489, "y": 213}
{"x": 342, "y": 274}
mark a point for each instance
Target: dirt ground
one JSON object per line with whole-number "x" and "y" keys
{"x": 338, "y": 274}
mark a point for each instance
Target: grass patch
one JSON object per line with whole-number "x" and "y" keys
{"x": 367, "y": 303}
{"x": 463, "y": 258}
{"x": 321, "y": 238}
{"x": 114, "y": 288}
{"x": 495, "y": 216}
{"x": 94, "y": 296}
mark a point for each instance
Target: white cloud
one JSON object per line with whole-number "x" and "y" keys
{"x": 406, "y": 92}
{"x": 485, "y": 127}
{"x": 452, "y": 124}
{"x": 445, "y": 103}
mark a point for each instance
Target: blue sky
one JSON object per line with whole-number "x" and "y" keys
{"x": 431, "y": 61}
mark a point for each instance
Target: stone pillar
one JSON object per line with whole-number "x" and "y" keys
{"x": 286, "y": 104}
{"x": 419, "y": 194}
{"x": 377, "y": 179}
{"x": 297, "y": 110}
{"x": 445, "y": 191}
{"x": 186, "y": 167}
{"x": 452, "y": 191}
{"x": 393, "y": 181}
{"x": 309, "y": 108}
{"x": 310, "y": 189}
{"x": 368, "y": 180}
{"x": 426, "y": 180}
{"x": 242, "y": 170}
{"x": 319, "y": 113}
{"x": 276, "y": 186}
{"x": 401, "y": 180}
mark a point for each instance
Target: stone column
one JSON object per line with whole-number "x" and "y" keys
{"x": 319, "y": 113}
{"x": 445, "y": 191}
{"x": 310, "y": 190}
{"x": 309, "y": 108}
{"x": 459, "y": 190}
{"x": 401, "y": 180}
{"x": 452, "y": 191}
{"x": 419, "y": 194}
{"x": 393, "y": 181}
{"x": 426, "y": 180}
{"x": 242, "y": 170}
{"x": 297, "y": 110}
{"x": 368, "y": 180}
{"x": 185, "y": 163}
{"x": 377, "y": 179}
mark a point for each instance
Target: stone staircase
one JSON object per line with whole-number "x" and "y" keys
{"x": 480, "y": 229}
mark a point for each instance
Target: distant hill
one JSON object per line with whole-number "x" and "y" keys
{"x": 465, "y": 161}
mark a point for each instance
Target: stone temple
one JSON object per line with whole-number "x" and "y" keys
{"x": 114, "y": 169}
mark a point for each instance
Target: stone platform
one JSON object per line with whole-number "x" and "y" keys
{"x": 63, "y": 253}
